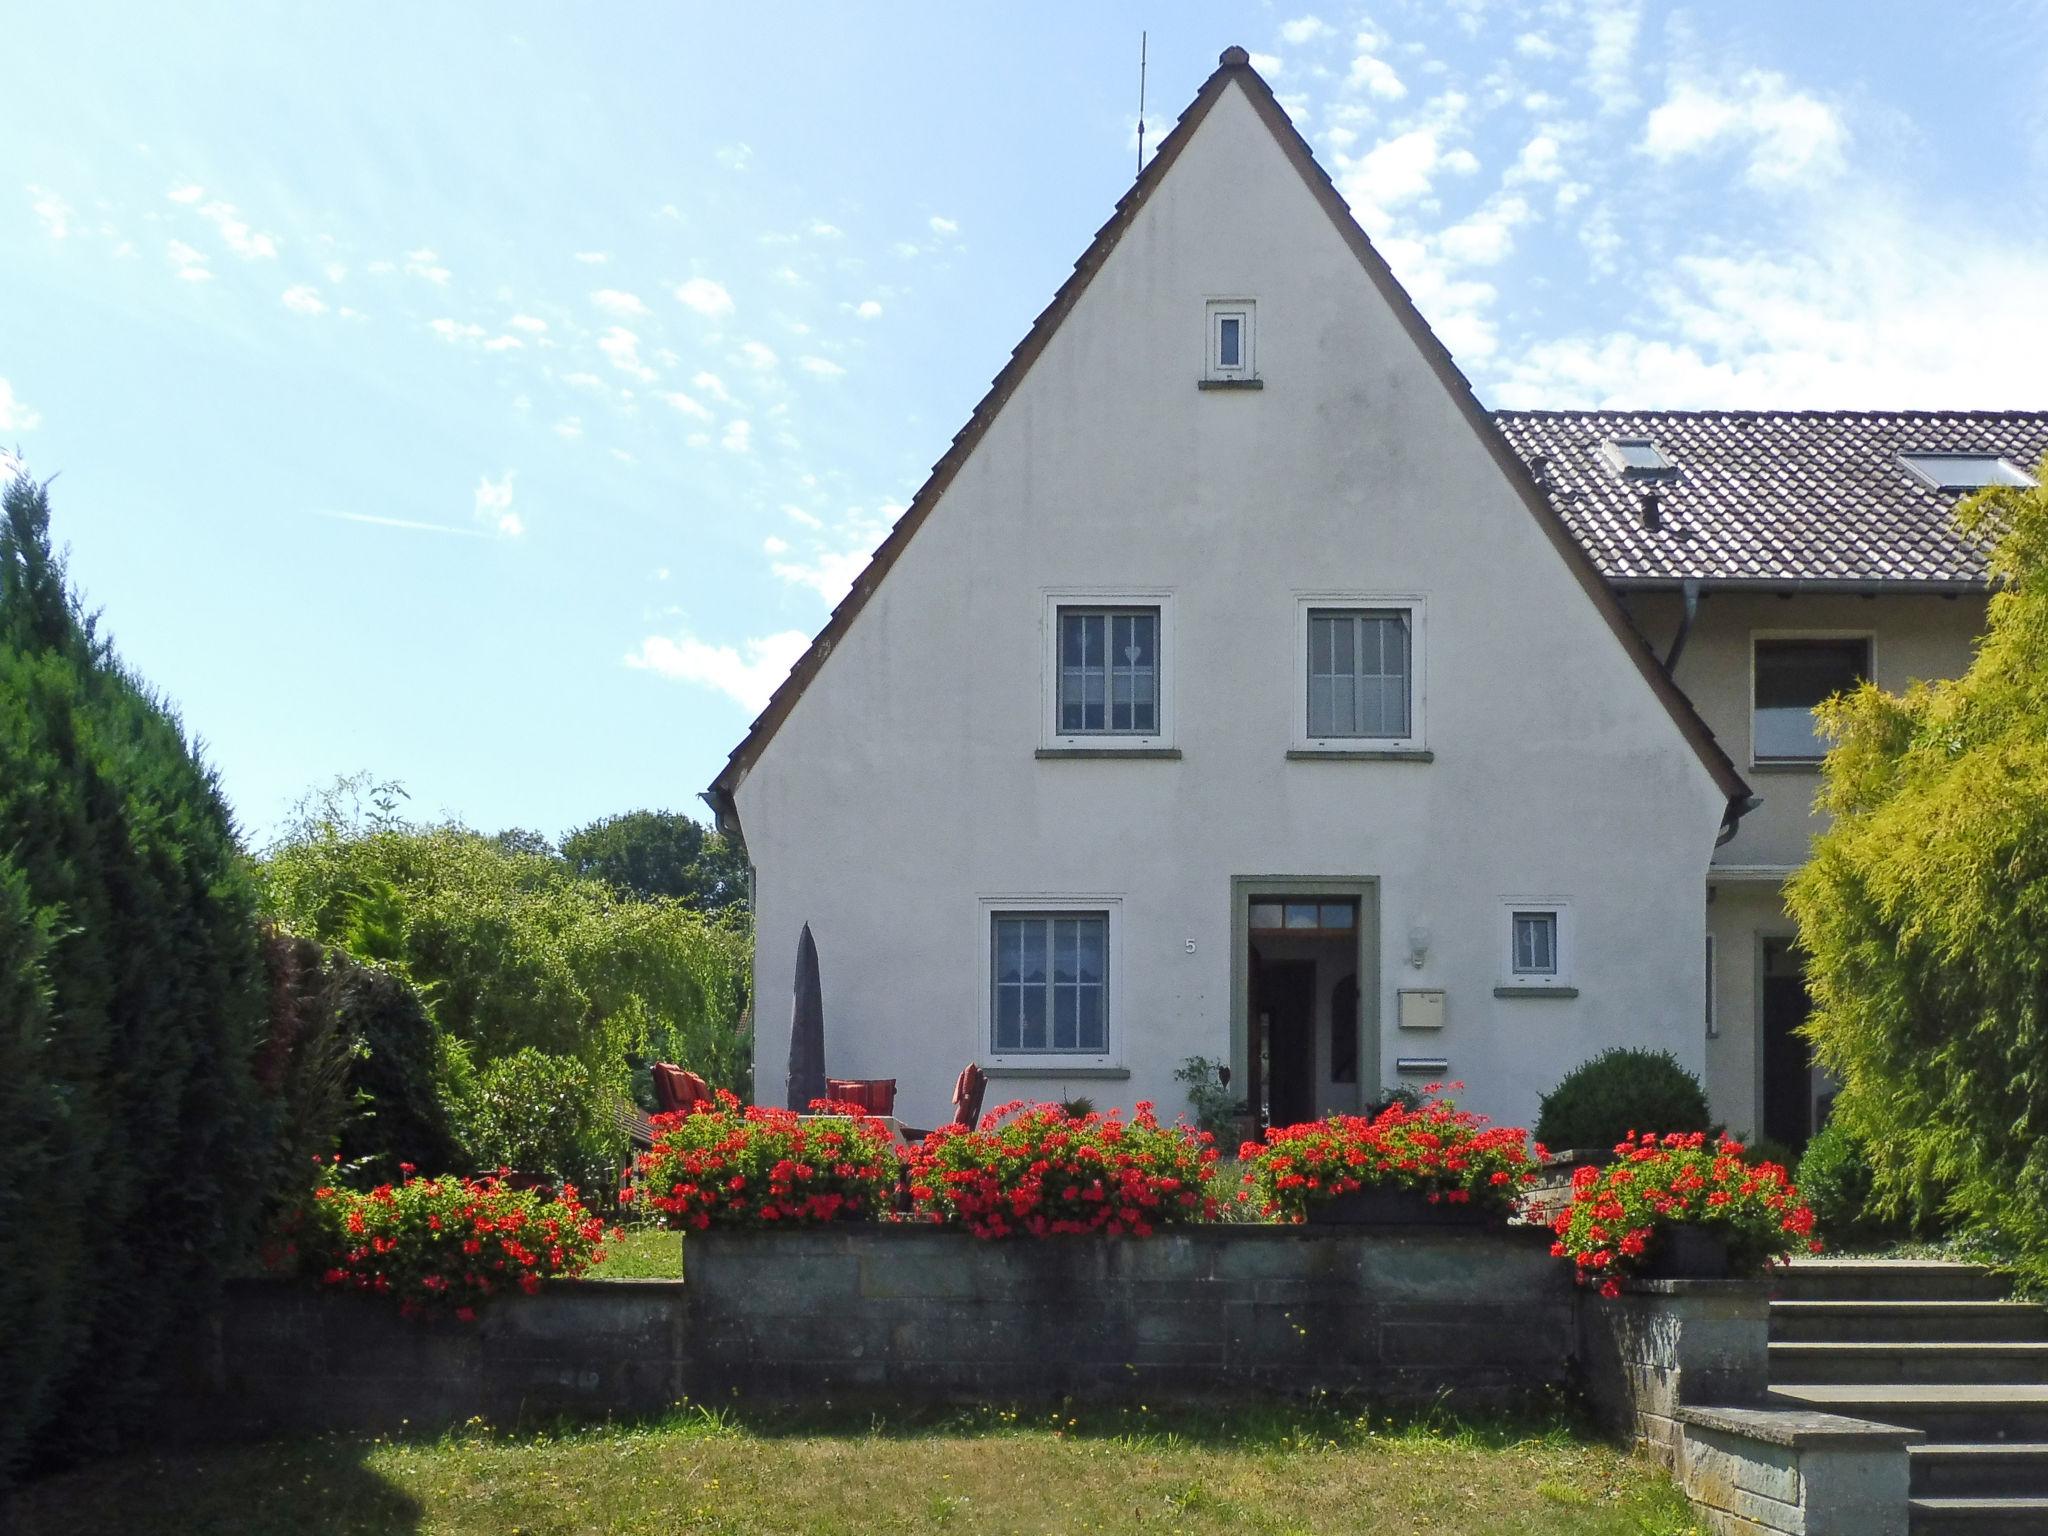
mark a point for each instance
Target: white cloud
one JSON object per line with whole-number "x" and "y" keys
{"x": 735, "y": 157}
{"x": 55, "y": 213}
{"x": 944, "y": 226}
{"x": 823, "y": 367}
{"x": 1303, "y": 29}
{"x": 504, "y": 344}
{"x": 581, "y": 380}
{"x": 747, "y": 675}
{"x": 712, "y": 385}
{"x": 593, "y": 258}
{"x": 739, "y": 437}
{"x": 1372, "y": 74}
{"x": 705, "y": 297}
{"x": 1485, "y": 237}
{"x": 828, "y": 574}
{"x": 191, "y": 192}
{"x": 616, "y": 301}
{"x": 247, "y": 243}
{"x": 623, "y": 348}
{"x": 868, "y": 309}
{"x": 1534, "y": 45}
{"x": 1791, "y": 138}
{"x": 191, "y": 263}
{"x": 532, "y": 324}
{"x": 1538, "y": 160}
{"x": 1268, "y": 64}
{"x": 775, "y": 545}
{"x": 494, "y": 506}
{"x": 424, "y": 264}
{"x": 15, "y": 413}
{"x": 569, "y": 428}
{"x": 687, "y": 404}
{"x": 1394, "y": 171}
{"x": 455, "y": 330}
{"x": 799, "y": 515}
{"x": 304, "y": 299}
{"x": 820, "y": 230}
{"x": 1610, "y": 51}
{"x": 758, "y": 355}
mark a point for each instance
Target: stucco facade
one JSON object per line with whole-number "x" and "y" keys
{"x": 909, "y": 792}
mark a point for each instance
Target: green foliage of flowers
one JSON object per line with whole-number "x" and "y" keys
{"x": 1037, "y": 1171}
{"x": 1924, "y": 913}
{"x": 131, "y": 1008}
{"x": 1435, "y": 1149}
{"x": 1208, "y": 1097}
{"x": 1623, "y": 1089}
{"x": 724, "y": 1165}
{"x": 442, "y": 1246}
{"x": 1618, "y": 1213}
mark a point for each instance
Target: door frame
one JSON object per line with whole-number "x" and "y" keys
{"x": 1365, "y": 890}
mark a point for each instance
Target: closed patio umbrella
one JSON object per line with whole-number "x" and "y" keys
{"x": 806, "y": 1029}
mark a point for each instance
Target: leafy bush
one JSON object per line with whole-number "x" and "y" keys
{"x": 1920, "y": 912}
{"x": 131, "y": 1010}
{"x": 545, "y": 1114}
{"x": 1623, "y": 1089}
{"x": 725, "y": 1166}
{"x": 1835, "y": 1179}
{"x": 1438, "y": 1150}
{"x": 1617, "y": 1213}
{"x": 443, "y": 1245}
{"x": 1038, "y": 1171}
{"x": 1208, "y": 1095}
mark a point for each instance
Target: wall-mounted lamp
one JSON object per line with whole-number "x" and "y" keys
{"x": 1418, "y": 942}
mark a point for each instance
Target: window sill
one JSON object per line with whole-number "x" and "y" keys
{"x": 1230, "y": 383}
{"x": 1361, "y": 755}
{"x": 1786, "y": 765}
{"x": 1056, "y": 1068}
{"x": 1143, "y": 754}
{"x": 1542, "y": 991}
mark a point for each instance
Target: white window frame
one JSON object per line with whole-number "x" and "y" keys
{"x": 1246, "y": 312}
{"x": 1028, "y": 904}
{"x": 1867, "y": 636}
{"x": 1413, "y": 603}
{"x": 1050, "y": 737}
{"x": 1559, "y": 908}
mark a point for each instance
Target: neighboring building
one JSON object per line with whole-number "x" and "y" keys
{"x": 1238, "y": 687}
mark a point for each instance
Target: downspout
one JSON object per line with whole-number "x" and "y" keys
{"x": 1692, "y": 610}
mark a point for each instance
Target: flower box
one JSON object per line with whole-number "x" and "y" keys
{"x": 1383, "y": 1206}
{"x": 1685, "y": 1252}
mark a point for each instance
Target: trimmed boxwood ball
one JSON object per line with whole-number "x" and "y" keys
{"x": 1622, "y": 1089}
{"x": 1835, "y": 1179}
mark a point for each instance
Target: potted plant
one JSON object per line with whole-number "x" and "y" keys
{"x": 1678, "y": 1207}
{"x": 724, "y": 1165}
{"x": 1423, "y": 1163}
{"x": 1039, "y": 1171}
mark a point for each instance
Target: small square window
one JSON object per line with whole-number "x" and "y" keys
{"x": 1230, "y": 340}
{"x": 1537, "y": 942}
{"x": 1792, "y": 677}
{"x": 1637, "y": 458}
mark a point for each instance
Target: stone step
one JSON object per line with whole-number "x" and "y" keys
{"x": 1870, "y": 1322}
{"x": 2010, "y": 1469}
{"x": 1887, "y": 1280}
{"x": 1896, "y": 1362}
{"x": 1978, "y": 1516}
{"x": 1949, "y": 1413}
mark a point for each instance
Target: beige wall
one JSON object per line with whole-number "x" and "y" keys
{"x": 1913, "y": 637}
{"x": 902, "y": 793}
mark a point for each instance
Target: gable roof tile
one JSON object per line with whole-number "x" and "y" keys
{"x": 1772, "y": 498}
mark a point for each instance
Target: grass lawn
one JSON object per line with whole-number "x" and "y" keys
{"x": 1259, "y": 1469}
{"x": 642, "y": 1253}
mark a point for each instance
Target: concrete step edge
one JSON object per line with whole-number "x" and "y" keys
{"x": 1911, "y": 1346}
{"x": 1935, "y": 1450}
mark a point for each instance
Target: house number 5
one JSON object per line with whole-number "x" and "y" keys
{"x": 1191, "y": 946}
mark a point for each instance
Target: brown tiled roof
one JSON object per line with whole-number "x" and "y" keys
{"x": 1771, "y": 498}
{"x": 1234, "y": 65}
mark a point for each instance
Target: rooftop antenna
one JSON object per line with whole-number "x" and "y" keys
{"x": 1141, "y": 103}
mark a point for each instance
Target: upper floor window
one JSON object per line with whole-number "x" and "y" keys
{"x": 1049, "y": 980}
{"x": 1106, "y": 682}
{"x": 1230, "y": 339}
{"x": 1794, "y": 675}
{"x": 1360, "y": 662}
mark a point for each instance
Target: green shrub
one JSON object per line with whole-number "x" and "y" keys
{"x": 1834, "y": 1178}
{"x": 1622, "y": 1089}
{"x": 132, "y": 1168}
{"x": 396, "y": 1073}
{"x": 536, "y": 1113}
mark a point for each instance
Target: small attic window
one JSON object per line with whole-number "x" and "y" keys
{"x": 1229, "y": 358}
{"x": 1636, "y": 457}
{"x": 1964, "y": 471}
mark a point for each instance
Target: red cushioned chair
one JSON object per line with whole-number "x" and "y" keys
{"x": 876, "y": 1095}
{"x": 968, "y": 1091}
{"x": 676, "y": 1090}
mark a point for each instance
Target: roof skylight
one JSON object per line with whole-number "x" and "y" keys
{"x": 1636, "y": 457}
{"x": 1964, "y": 471}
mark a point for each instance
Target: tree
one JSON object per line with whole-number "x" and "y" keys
{"x": 661, "y": 853}
{"x": 1924, "y": 912}
{"x": 131, "y": 1009}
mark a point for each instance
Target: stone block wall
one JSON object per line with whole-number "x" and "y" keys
{"x": 1664, "y": 1343}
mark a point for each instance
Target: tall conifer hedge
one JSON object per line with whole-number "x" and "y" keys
{"x": 131, "y": 1003}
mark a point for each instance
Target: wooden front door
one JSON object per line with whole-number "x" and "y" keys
{"x": 1287, "y": 998}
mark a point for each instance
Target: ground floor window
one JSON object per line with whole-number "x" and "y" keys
{"x": 1050, "y": 982}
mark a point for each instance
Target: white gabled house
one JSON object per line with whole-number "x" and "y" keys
{"x": 1238, "y": 687}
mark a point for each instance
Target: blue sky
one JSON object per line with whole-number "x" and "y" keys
{"x": 497, "y": 397}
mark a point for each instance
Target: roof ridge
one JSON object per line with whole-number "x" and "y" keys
{"x": 1975, "y": 413}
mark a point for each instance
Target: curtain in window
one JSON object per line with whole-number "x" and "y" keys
{"x": 1051, "y": 982}
{"x": 1359, "y": 674}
